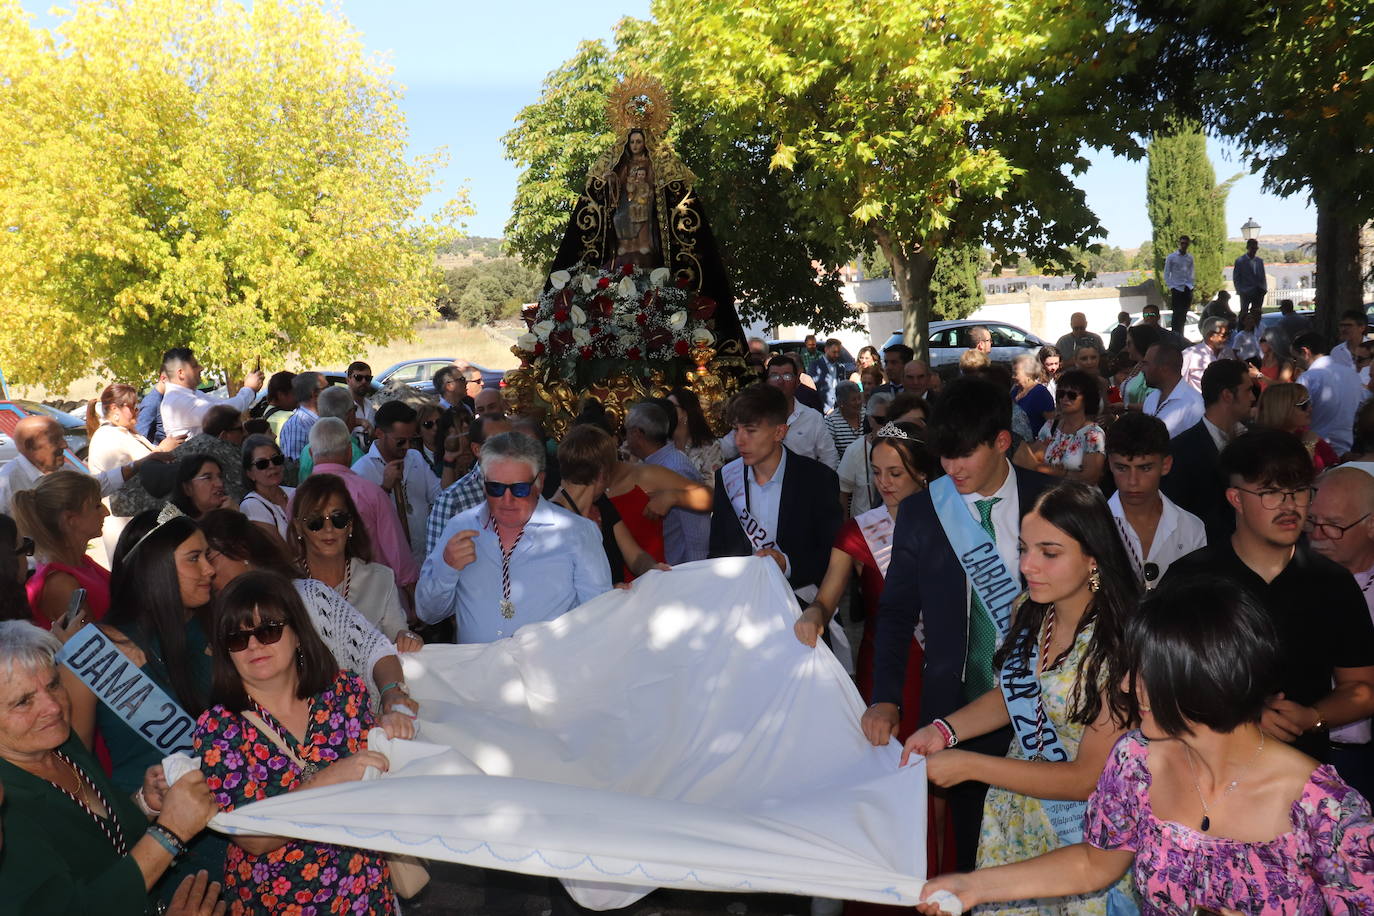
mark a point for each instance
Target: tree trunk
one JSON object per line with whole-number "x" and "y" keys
{"x": 1339, "y": 283}
{"x": 911, "y": 274}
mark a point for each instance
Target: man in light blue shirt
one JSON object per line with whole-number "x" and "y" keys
{"x": 514, "y": 560}
{"x": 470, "y": 489}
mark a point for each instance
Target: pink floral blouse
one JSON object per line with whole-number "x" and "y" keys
{"x": 1324, "y": 864}
{"x": 1066, "y": 450}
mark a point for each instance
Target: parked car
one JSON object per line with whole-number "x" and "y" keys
{"x": 1269, "y": 319}
{"x": 949, "y": 340}
{"x": 419, "y": 373}
{"x": 74, "y": 430}
{"x": 1191, "y": 332}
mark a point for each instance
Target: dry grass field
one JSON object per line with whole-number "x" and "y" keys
{"x": 489, "y": 347}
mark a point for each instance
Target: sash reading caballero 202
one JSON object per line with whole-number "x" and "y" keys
{"x": 129, "y": 693}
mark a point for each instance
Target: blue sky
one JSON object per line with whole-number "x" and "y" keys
{"x": 470, "y": 67}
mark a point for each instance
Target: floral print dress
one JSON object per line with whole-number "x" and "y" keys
{"x": 1016, "y": 827}
{"x": 1066, "y": 450}
{"x": 241, "y": 766}
{"x": 1325, "y": 864}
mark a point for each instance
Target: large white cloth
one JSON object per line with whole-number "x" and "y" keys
{"x": 676, "y": 734}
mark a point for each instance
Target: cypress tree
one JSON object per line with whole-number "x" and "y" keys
{"x": 1183, "y": 198}
{"x": 954, "y": 288}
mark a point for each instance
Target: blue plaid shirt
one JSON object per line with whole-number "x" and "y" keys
{"x": 295, "y": 432}
{"x": 461, "y": 495}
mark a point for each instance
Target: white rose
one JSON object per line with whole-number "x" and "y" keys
{"x": 543, "y": 329}
{"x": 526, "y": 341}
{"x": 659, "y": 276}
{"x": 578, "y": 316}
{"x": 678, "y": 320}
{"x": 559, "y": 278}
{"x": 627, "y": 340}
{"x": 588, "y": 283}
{"x": 702, "y": 337}
{"x": 627, "y": 288}
{"x": 582, "y": 337}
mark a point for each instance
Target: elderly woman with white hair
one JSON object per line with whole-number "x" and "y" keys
{"x": 1029, "y": 392}
{"x": 74, "y": 843}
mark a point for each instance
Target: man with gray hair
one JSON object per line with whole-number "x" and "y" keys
{"x": 649, "y": 437}
{"x": 516, "y": 558}
{"x": 295, "y": 432}
{"x": 1215, "y": 330}
{"x": 332, "y": 447}
{"x": 337, "y": 402}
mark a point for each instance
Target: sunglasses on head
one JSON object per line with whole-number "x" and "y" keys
{"x": 266, "y": 634}
{"x": 25, "y": 548}
{"x": 263, "y": 464}
{"x": 339, "y": 518}
{"x": 518, "y": 490}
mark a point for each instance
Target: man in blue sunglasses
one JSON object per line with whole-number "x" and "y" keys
{"x": 515, "y": 558}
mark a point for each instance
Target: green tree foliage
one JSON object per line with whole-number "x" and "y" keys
{"x": 1144, "y": 257}
{"x": 955, "y": 291}
{"x": 1183, "y": 198}
{"x": 1293, "y": 84}
{"x": 197, "y": 172}
{"x": 913, "y": 129}
{"x": 771, "y": 257}
{"x": 480, "y": 293}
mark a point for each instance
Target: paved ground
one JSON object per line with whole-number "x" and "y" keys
{"x": 458, "y": 889}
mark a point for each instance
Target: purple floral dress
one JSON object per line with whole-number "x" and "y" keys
{"x": 242, "y": 766}
{"x": 1324, "y": 864}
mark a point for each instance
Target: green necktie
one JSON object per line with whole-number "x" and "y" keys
{"x": 982, "y": 634}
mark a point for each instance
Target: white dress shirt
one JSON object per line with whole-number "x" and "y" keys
{"x": 1178, "y": 534}
{"x": 1006, "y": 519}
{"x": 1178, "y": 271}
{"x": 806, "y": 435}
{"x": 183, "y": 409}
{"x": 21, "y": 474}
{"x": 1180, "y": 410}
{"x": 421, "y": 489}
{"x": 1336, "y": 394}
{"x": 1198, "y": 357}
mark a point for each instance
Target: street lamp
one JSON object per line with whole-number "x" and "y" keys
{"x": 1250, "y": 229}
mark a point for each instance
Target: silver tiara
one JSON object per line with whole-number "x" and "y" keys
{"x": 169, "y": 512}
{"x": 893, "y": 431}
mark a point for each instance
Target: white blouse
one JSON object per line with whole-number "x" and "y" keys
{"x": 114, "y": 446}
{"x": 259, "y": 508}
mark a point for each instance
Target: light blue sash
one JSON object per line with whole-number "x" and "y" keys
{"x": 995, "y": 586}
{"x": 129, "y": 693}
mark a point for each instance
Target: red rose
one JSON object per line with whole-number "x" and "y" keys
{"x": 627, "y": 270}
{"x": 562, "y": 315}
{"x": 539, "y": 349}
{"x": 682, "y": 347}
{"x": 641, "y": 319}
{"x": 594, "y": 329}
{"x": 633, "y": 353}
{"x": 586, "y": 352}
{"x": 701, "y": 307}
{"x": 683, "y": 282}
{"x": 603, "y": 283}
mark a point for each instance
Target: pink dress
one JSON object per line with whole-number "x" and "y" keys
{"x": 90, "y": 575}
{"x": 1325, "y": 863}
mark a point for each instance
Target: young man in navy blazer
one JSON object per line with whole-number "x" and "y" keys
{"x": 970, "y": 429}
{"x": 793, "y": 501}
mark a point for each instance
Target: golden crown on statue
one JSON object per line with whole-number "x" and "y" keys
{"x": 639, "y": 101}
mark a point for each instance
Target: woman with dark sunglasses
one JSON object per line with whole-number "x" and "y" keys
{"x": 332, "y": 546}
{"x": 1073, "y": 446}
{"x": 283, "y": 705}
{"x": 1287, "y": 407}
{"x": 267, "y": 502}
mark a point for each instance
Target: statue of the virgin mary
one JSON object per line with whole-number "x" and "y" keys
{"x": 638, "y": 208}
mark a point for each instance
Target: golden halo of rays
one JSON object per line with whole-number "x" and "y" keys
{"x": 639, "y": 100}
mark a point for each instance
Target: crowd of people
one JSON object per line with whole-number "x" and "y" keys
{"x": 1116, "y": 595}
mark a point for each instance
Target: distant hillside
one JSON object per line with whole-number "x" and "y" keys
{"x": 470, "y": 251}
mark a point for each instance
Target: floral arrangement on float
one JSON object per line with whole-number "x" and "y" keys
{"x": 592, "y": 325}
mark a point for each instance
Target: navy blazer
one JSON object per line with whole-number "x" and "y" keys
{"x": 809, "y": 518}
{"x": 925, "y": 582}
{"x": 1196, "y": 483}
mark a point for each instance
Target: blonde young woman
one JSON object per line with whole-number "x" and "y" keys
{"x": 1287, "y": 406}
